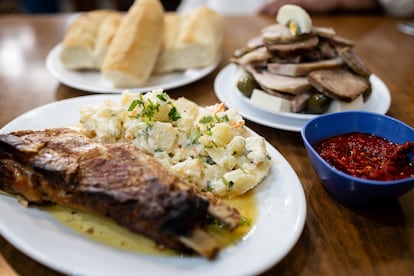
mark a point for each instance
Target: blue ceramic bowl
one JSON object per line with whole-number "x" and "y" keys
{"x": 347, "y": 189}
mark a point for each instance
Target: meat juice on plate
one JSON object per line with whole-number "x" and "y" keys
{"x": 106, "y": 231}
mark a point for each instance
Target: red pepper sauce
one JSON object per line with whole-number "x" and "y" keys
{"x": 367, "y": 156}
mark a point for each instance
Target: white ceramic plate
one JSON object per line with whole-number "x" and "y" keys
{"x": 281, "y": 218}
{"x": 92, "y": 81}
{"x": 227, "y": 92}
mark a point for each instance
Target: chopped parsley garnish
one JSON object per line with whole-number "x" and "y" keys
{"x": 173, "y": 114}
{"x": 215, "y": 222}
{"x": 245, "y": 221}
{"x": 133, "y": 105}
{"x": 195, "y": 138}
{"x": 206, "y": 119}
{"x": 224, "y": 118}
{"x": 209, "y": 186}
{"x": 229, "y": 184}
{"x": 148, "y": 108}
{"x": 207, "y": 159}
{"x": 163, "y": 97}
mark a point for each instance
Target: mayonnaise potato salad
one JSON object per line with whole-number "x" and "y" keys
{"x": 210, "y": 146}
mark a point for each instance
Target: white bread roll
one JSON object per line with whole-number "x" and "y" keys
{"x": 105, "y": 36}
{"x": 79, "y": 41}
{"x": 133, "y": 52}
{"x": 190, "y": 40}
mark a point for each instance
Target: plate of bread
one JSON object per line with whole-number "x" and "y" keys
{"x": 106, "y": 51}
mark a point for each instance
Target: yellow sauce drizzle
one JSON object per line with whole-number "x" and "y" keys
{"x": 106, "y": 231}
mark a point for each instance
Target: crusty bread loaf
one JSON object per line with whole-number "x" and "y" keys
{"x": 79, "y": 41}
{"x": 190, "y": 40}
{"x": 134, "y": 49}
{"x": 105, "y": 35}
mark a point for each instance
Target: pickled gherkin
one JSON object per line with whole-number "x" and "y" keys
{"x": 246, "y": 84}
{"x": 318, "y": 103}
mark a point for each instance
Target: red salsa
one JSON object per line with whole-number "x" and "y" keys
{"x": 368, "y": 156}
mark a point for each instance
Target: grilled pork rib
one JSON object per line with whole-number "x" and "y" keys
{"x": 65, "y": 167}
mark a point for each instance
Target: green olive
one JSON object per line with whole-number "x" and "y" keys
{"x": 246, "y": 84}
{"x": 318, "y": 103}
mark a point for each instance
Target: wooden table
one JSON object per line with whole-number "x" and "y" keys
{"x": 336, "y": 240}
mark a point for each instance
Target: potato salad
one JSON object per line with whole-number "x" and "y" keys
{"x": 208, "y": 146}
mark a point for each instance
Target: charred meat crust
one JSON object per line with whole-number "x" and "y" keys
{"x": 115, "y": 180}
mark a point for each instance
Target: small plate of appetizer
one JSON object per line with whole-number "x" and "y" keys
{"x": 227, "y": 91}
{"x": 295, "y": 71}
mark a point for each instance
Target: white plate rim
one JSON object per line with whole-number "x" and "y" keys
{"x": 92, "y": 81}
{"x": 281, "y": 219}
{"x": 227, "y": 92}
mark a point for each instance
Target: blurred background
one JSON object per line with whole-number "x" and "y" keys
{"x": 64, "y": 6}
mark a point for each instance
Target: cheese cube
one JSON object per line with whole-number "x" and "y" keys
{"x": 269, "y": 102}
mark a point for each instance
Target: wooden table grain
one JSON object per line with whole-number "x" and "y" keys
{"x": 336, "y": 240}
